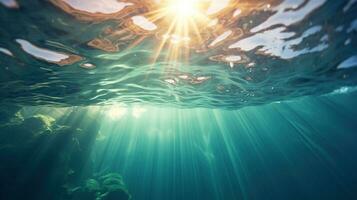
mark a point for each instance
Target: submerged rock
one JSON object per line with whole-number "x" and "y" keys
{"x": 106, "y": 187}
{"x": 7, "y": 112}
{"x": 38, "y": 123}
{"x": 46, "y": 158}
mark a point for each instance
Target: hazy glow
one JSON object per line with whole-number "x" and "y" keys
{"x": 183, "y": 8}
{"x": 117, "y": 112}
{"x": 183, "y": 19}
{"x": 138, "y": 111}
{"x": 217, "y": 6}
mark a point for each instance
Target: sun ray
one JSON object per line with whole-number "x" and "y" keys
{"x": 183, "y": 18}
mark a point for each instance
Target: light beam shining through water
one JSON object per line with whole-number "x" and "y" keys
{"x": 178, "y": 99}
{"x": 183, "y": 20}
{"x": 193, "y": 154}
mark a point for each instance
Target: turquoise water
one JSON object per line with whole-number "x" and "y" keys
{"x": 295, "y": 52}
{"x": 263, "y": 107}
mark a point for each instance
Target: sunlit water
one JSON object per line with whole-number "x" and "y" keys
{"x": 262, "y": 52}
{"x": 97, "y": 105}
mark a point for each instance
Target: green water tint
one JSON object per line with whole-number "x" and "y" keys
{"x": 266, "y": 115}
{"x": 290, "y": 150}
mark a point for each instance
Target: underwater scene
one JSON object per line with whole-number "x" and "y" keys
{"x": 178, "y": 99}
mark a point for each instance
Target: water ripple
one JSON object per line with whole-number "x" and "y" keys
{"x": 68, "y": 53}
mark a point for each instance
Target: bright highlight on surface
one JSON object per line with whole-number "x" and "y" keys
{"x": 183, "y": 20}
{"x": 183, "y": 9}
{"x": 116, "y": 112}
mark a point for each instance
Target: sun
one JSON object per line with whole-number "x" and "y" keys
{"x": 183, "y": 9}
{"x": 182, "y": 20}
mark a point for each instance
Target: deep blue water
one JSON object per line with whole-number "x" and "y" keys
{"x": 100, "y": 101}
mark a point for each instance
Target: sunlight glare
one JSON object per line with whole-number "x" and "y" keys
{"x": 183, "y": 9}
{"x": 116, "y": 112}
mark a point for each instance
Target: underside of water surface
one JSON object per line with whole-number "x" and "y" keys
{"x": 178, "y": 99}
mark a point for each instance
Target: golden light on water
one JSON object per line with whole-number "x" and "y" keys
{"x": 176, "y": 30}
{"x": 183, "y": 19}
{"x": 182, "y": 9}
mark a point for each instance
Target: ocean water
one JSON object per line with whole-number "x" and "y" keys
{"x": 102, "y": 100}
